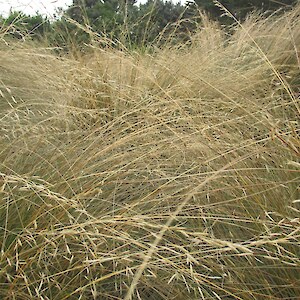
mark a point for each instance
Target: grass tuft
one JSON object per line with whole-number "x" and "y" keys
{"x": 164, "y": 174}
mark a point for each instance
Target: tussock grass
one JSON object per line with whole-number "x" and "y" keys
{"x": 170, "y": 175}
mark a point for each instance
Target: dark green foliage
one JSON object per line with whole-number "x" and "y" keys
{"x": 240, "y": 8}
{"x": 131, "y": 24}
{"x": 20, "y": 25}
{"x": 155, "y": 17}
{"x": 101, "y": 16}
{"x": 66, "y": 36}
{"x": 155, "y": 20}
{"x": 128, "y": 24}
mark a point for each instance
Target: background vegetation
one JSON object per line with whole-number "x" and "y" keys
{"x": 168, "y": 170}
{"x": 125, "y": 23}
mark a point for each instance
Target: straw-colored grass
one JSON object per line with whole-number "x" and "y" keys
{"x": 170, "y": 175}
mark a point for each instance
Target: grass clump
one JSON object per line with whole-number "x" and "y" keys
{"x": 165, "y": 175}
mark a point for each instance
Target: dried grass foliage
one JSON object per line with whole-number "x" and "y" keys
{"x": 165, "y": 175}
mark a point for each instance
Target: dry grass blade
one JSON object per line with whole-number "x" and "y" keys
{"x": 171, "y": 174}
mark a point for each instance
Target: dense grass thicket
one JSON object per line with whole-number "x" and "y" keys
{"x": 163, "y": 174}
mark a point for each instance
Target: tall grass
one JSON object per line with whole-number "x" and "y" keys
{"x": 170, "y": 175}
